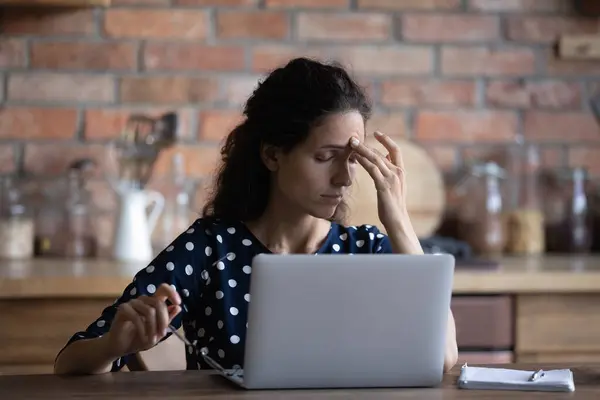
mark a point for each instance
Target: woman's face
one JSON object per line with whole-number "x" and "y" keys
{"x": 316, "y": 175}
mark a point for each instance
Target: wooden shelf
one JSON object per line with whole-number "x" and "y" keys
{"x": 56, "y": 3}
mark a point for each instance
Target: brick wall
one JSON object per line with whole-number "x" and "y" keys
{"x": 459, "y": 76}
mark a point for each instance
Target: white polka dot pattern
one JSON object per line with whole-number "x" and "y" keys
{"x": 210, "y": 267}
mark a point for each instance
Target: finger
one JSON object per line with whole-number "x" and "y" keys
{"x": 146, "y": 312}
{"x": 161, "y": 314}
{"x": 167, "y": 292}
{"x": 391, "y": 147}
{"x": 370, "y": 155}
{"x": 386, "y": 159}
{"x": 371, "y": 169}
{"x": 129, "y": 314}
{"x": 173, "y": 311}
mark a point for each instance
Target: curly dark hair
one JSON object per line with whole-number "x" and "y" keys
{"x": 280, "y": 112}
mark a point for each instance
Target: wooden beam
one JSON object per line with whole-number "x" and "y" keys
{"x": 56, "y": 3}
{"x": 579, "y": 47}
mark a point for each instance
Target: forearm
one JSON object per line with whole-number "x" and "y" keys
{"x": 451, "y": 352}
{"x": 403, "y": 238}
{"x": 89, "y": 356}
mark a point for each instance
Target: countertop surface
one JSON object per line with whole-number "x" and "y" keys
{"x": 51, "y": 278}
{"x": 205, "y": 385}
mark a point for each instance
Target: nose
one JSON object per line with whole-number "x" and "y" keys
{"x": 343, "y": 175}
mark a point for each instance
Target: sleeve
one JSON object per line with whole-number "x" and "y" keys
{"x": 380, "y": 241}
{"x": 178, "y": 265}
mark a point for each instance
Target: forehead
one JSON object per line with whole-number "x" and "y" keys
{"x": 337, "y": 129}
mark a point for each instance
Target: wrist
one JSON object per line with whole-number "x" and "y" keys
{"x": 106, "y": 350}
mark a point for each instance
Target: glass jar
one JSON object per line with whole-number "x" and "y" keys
{"x": 16, "y": 222}
{"x": 480, "y": 216}
{"x": 525, "y": 215}
{"x": 48, "y": 220}
{"x": 568, "y": 219}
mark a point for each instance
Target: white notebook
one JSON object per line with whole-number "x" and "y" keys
{"x": 556, "y": 380}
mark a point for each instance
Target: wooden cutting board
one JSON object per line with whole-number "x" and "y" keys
{"x": 425, "y": 197}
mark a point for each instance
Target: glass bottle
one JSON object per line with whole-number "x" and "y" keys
{"x": 79, "y": 234}
{"x": 16, "y": 222}
{"x": 177, "y": 215}
{"x": 569, "y": 223}
{"x": 525, "y": 217}
{"x": 480, "y": 216}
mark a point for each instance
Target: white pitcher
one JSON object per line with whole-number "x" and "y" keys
{"x": 134, "y": 225}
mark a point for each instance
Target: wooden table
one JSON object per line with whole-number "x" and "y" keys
{"x": 204, "y": 385}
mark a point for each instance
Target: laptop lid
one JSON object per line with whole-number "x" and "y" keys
{"x": 346, "y": 321}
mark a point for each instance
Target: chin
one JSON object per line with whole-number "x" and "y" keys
{"x": 323, "y": 212}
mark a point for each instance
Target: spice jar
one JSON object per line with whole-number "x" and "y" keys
{"x": 525, "y": 217}
{"x": 480, "y": 218}
{"x": 568, "y": 219}
{"x": 16, "y": 222}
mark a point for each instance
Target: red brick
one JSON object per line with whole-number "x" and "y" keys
{"x": 538, "y": 94}
{"x": 7, "y": 158}
{"x": 53, "y": 159}
{"x": 426, "y": 92}
{"x": 561, "y": 126}
{"x": 238, "y": 89}
{"x": 140, "y": 2}
{"x": 307, "y": 3}
{"x": 37, "y": 123}
{"x": 586, "y": 157}
{"x": 215, "y": 125}
{"x": 226, "y": 3}
{"x": 409, "y": 4}
{"x": 49, "y": 86}
{"x": 30, "y": 21}
{"x": 467, "y": 126}
{"x": 547, "y": 29}
{"x": 549, "y": 156}
{"x": 518, "y": 5}
{"x": 108, "y": 123}
{"x": 393, "y": 124}
{"x": 269, "y": 57}
{"x": 450, "y": 28}
{"x": 190, "y": 56}
{"x": 252, "y": 25}
{"x": 12, "y": 53}
{"x": 478, "y": 60}
{"x": 355, "y": 27}
{"x": 83, "y": 55}
{"x": 200, "y": 161}
{"x": 575, "y": 68}
{"x": 388, "y": 60}
{"x": 156, "y": 23}
{"x": 171, "y": 89}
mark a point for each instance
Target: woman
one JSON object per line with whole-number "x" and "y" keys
{"x": 286, "y": 170}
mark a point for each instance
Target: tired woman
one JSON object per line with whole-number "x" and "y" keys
{"x": 281, "y": 188}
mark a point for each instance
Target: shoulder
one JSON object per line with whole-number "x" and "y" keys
{"x": 363, "y": 238}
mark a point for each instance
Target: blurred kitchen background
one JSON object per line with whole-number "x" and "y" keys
{"x": 468, "y": 81}
{"x": 110, "y": 107}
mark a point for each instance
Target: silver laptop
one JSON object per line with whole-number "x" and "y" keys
{"x": 345, "y": 321}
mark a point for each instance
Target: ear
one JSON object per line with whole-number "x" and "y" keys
{"x": 270, "y": 157}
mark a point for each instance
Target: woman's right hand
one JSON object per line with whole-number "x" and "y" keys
{"x": 141, "y": 323}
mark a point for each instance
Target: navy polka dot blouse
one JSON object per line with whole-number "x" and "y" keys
{"x": 210, "y": 265}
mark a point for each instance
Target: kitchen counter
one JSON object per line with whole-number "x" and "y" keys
{"x": 54, "y": 278}
{"x": 539, "y": 309}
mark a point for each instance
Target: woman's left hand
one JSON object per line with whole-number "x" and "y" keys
{"x": 390, "y": 180}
